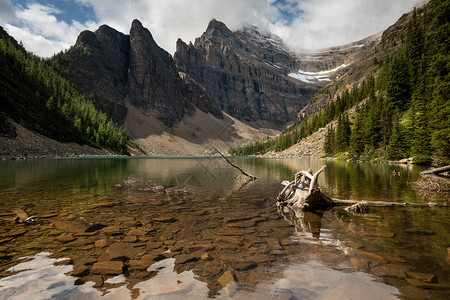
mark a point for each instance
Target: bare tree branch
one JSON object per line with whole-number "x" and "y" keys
{"x": 233, "y": 165}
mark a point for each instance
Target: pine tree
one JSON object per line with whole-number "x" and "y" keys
{"x": 356, "y": 138}
{"x": 328, "y": 147}
{"x": 440, "y": 120}
{"x": 396, "y": 148}
{"x": 421, "y": 139}
{"x": 342, "y": 134}
{"x": 399, "y": 86}
{"x": 372, "y": 125}
{"x": 414, "y": 48}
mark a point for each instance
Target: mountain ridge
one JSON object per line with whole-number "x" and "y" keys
{"x": 393, "y": 103}
{"x": 247, "y": 72}
{"x": 246, "y": 75}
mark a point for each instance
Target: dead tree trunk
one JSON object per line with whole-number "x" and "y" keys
{"x": 304, "y": 193}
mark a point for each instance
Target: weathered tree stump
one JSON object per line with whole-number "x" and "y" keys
{"x": 304, "y": 193}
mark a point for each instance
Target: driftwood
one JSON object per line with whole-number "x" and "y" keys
{"x": 233, "y": 165}
{"x": 436, "y": 170}
{"x": 304, "y": 194}
{"x": 433, "y": 181}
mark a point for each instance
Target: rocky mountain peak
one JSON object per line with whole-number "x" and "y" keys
{"x": 138, "y": 29}
{"x": 218, "y": 32}
{"x": 261, "y": 38}
{"x": 217, "y": 25}
{"x": 246, "y": 78}
{"x": 117, "y": 68}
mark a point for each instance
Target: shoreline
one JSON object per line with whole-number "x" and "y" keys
{"x": 405, "y": 161}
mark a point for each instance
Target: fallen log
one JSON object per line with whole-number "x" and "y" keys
{"x": 339, "y": 202}
{"x": 303, "y": 193}
{"x": 436, "y": 170}
{"x": 433, "y": 181}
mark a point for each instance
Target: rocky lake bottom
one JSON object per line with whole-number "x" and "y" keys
{"x": 143, "y": 234}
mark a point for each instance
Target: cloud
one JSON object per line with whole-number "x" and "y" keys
{"x": 7, "y": 13}
{"x": 169, "y": 20}
{"x": 302, "y": 24}
{"x": 326, "y": 23}
{"x": 41, "y": 32}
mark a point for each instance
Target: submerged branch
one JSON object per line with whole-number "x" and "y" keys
{"x": 233, "y": 165}
{"x": 339, "y": 202}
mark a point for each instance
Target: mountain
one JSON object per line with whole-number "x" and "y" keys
{"x": 227, "y": 89}
{"x": 28, "y": 127}
{"x": 138, "y": 84}
{"x": 327, "y": 65}
{"x": 253, "y": 76}
{"x": 245, "y": 73}
{"x": 115, "y": 68}
{"x": 392, "y": 104}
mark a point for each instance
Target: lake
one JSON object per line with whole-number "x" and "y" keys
{"x": 177, "y": 228}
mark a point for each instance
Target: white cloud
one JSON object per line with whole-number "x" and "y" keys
{"x": 318, "y": 23}
{"x": 42, "y": 33}
{"x": 323, "y": 23}
{"x": 169, "y": 20}
{"x": 7, "y": 13}
{"x": 327, "y": 23}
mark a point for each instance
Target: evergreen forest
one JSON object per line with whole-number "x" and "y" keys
{"x": 401, "y": 110}
{"x": 54, "y": 99}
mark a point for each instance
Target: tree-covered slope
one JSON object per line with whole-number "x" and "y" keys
{"x": 35, "y": 95}
{"x": 399, "y": 93}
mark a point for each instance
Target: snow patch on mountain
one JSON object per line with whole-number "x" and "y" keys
{"x": 311, "y": 77}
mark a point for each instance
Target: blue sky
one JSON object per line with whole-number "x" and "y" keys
{"x": 69, "y": 10}
{"x": 47, "y": 27}
{"x": 289, "y": 11}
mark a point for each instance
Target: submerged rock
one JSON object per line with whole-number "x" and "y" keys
{"x": 426, "y": 285}
{"x": 243, "y": 265}
{"x": 419, "y": 231}
{"x": 431, "y": 278}
{"x": 101, "y": 243}
{"x": 112, "y": 230}
{"x": 108, "y": 268}
{"x": 226, "y": 279}
{"x": 122, "y": 251}
{"x": 388, "y": 270}
{"x": 80, "y": 271}
{"x": 66, "y": 238}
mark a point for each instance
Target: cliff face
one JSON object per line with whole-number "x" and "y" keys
{"x": 98, "y": 65}
{"x": 114, "y": 68}
{"x": 245, "y": 72}
{"x": 153, "y": 79}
